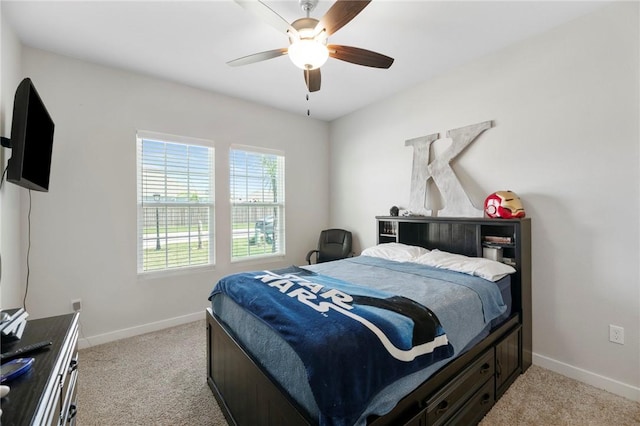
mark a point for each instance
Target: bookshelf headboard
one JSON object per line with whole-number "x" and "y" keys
{"x": 468, "y": 236}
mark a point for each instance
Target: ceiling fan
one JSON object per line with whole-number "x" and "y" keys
{"x": 308, "y": 48}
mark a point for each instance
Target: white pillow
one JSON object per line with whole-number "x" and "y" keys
{"x": 395, "y": 251}
{"x": 479, "y": 266}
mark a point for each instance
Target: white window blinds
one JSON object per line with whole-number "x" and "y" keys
{"x": 257, "y": 203}
{"x": 175, "y": 203}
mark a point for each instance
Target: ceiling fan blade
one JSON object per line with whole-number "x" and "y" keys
{"x": 257, "y": 57}
{"x": 267, "y": 15}
{"x": 340, "y": 14}
{"x": 312, "y": 79}
{"x": 358, "y": 56}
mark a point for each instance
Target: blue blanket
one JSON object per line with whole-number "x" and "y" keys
{"x": 492, "y": 304}
{"x": 353, "y": 340}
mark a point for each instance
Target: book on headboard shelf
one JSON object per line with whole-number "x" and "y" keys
{"x": 497, "y": 239}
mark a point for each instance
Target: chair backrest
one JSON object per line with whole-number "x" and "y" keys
{"x": 334, "y": 244}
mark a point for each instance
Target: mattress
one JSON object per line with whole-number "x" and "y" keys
{"x": 458, "y": 307}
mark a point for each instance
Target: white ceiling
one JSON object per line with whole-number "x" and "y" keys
{"x": 191, "y": 41}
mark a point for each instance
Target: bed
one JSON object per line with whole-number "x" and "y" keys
{"x": 265, "y": 381}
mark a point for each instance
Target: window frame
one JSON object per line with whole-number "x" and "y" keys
{"x": 140, "y": 205}
{"x": 280, "y": 204}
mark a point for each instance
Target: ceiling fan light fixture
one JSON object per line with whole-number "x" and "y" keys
{"x": 308, "y": 48}
{"x": 308, "y": 54}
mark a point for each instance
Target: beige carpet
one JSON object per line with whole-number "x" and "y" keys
{"x": 542, "y": 397}
{"x": 160, "y": 379}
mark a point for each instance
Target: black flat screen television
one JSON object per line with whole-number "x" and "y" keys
{"x": 31, "y": 140}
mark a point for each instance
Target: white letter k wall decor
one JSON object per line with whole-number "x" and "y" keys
{"x": 456, "y": 201}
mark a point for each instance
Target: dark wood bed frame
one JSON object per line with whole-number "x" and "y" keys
{"x": 461, "y": 392}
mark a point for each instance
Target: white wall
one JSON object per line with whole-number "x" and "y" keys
{"x": 11, "y": 241}
{"x": 566, "y": 139}
{"x": 84, "y": 228}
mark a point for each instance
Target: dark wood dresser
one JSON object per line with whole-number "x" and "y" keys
{"x": 46, "y": 394}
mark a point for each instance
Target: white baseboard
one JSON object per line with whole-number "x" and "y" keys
{"x": 86, "y": 342}
{"x": 588, "y": 377}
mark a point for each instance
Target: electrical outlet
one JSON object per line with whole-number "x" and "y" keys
{"x": 616, "y": 334}
{"x": 77, "y": 305}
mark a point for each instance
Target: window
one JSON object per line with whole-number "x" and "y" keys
{"x": 257, "y": 203}
{"x": 175, "y": 202}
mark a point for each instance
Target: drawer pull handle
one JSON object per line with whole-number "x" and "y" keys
{"x": 485, "y": 399}
{"x": 73, "y": 365}
{"x": 442, "y": 407}
{"x": 485, "y": 368}
{"x": 73, "y": 410}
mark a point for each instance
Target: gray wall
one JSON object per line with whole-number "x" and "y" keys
{"x": 12, "y": 223}
{"x": 84, "y": 228}
{"x": 566, "y": 139}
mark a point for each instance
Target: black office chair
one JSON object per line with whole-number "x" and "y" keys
{"x": 333, "y": 244}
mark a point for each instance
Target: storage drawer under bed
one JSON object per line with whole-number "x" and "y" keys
{"x": 476, "y": 407}
{"x": 451, "y": 397}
